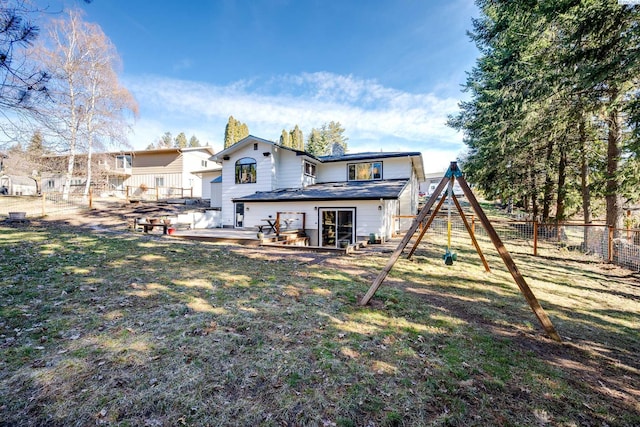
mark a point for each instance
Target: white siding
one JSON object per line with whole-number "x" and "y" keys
{"x": 192, "y": 161}
{"x": 369, "y": 219}
{"x": 332, "y": 172}
{"x": 290, "y": 171}
{"x": 216, "y": 195}
{"x": 264, "y": 178}
{"x": 392, "y": 168}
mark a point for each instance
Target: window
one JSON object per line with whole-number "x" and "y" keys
{"x": 246, "y": 171}
{"x": 51, "y": 184}
{"x": 310, "y": 169}
{"x": 159, "y": 181}
{"x": 365, "y": 171}
{"x": 123, "y": 162}
{"x": 203, "y": 163}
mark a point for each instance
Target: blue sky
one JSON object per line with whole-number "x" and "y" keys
{"x": 389, "y": 71}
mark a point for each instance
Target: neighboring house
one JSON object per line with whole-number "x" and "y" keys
{"x": 344, "y": 197}
{"x": 168, "y": 172}
{"x": 18, "y": 185}
{"x": 431, "y": 183}
{"x": 185, "y": 171}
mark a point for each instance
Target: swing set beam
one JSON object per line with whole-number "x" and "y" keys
{"x": 454, "y": 173}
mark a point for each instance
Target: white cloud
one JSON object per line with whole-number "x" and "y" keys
{"x": 375, "y": 117}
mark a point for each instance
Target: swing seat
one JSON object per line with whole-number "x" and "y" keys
{"x": 449, "y": 257}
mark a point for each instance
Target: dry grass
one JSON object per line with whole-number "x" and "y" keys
{"x": 124, "y": 329}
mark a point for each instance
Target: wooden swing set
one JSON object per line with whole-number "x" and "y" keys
{"x": 455, "y": 174}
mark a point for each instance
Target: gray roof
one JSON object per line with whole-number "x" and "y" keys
{"x": 367, "y": 156}
{"x": 351, "y": 190}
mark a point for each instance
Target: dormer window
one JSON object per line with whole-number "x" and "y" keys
{"x": 310, "y": 169}
{"x": 369, "y": 171}
{"x": 246, "y": 171}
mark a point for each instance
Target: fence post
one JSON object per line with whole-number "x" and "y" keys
{"x": 535, "y": 237}
{"x": 610, "y": 249}
{"x": 44, "y": 198}
{"x": 90, "y": 198}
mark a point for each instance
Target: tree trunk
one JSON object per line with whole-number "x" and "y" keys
{"x": 614, "y": 151}
{"x": 548, "y": 184}
{"x": 534, "y": 188}
{"x": 89, "y": 171}
{"x": 584, "y": 181}
{"x": 562, "y": 188}
{"x": 584, "y": 174}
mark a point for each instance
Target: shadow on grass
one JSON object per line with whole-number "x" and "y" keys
{"x": 151, "y": 331}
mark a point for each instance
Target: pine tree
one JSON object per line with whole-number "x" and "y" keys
{"x": 316, "y": 144}
{"x": 165, "y": 140}
{"x": 296, "y": 139}
{"x": 194, "y": 142}
{"x": 234, "y": 131}
{"x": 180, "y": 141}
{"x": 285, "y": 139}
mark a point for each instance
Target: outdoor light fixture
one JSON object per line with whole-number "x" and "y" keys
{"x": 266, "y": 154}
{"x": 225, "y": 157}
{"x": 379, "y": 207}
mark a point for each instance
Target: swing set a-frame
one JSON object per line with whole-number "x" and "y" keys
{"x": 455, "y": 174}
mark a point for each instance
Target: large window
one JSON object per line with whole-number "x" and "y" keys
{"x": 246, "y": 171}
{"x": 369, "y": 171}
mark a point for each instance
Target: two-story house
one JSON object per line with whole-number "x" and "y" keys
{"x": 343, "y": 197}
{"x": 166, "y": 172}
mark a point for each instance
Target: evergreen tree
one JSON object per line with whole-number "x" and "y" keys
{"x": 316, "y": 144}
{"x": 334, "y": 133}
{"x": 234, "y": 131}
{"x": 194, "y": 142}
{"x": 549, "y": 99}
{"x": 285, "y": 139}
{"x": 296, "y": 139}
{"x": 181, "y": 140}
{"x": 166, "y": 140}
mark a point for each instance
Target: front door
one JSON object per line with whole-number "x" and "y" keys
{"x": 239, "y": 215}
{"x": 338, "y": 228}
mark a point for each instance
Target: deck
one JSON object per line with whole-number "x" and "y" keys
{"x": 249, "y": 237}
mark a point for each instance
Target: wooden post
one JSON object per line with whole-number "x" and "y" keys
{"x": 610, "y": 245}
{"x": 535, "y": 237}
{"x": 405, "y": 240}
{"x": 278, "y": 225}
{"x": 510, "y": 264}
{"x": 471, "y": 234}
{"x": 90, "y": 198}
{"x": 473, "y": 224}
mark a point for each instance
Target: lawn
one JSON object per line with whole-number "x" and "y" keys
{"x": 101, "y": 328}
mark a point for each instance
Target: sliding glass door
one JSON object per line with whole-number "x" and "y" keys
{"x": 338, "y": 228}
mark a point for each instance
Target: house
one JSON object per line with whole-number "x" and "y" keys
{"x": 18, "y": 185}
{"x": 335, "y": 198}
{"x": 162, "y": 172}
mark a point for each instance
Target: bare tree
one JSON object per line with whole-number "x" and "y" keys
{"x": 90, "y": 106}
